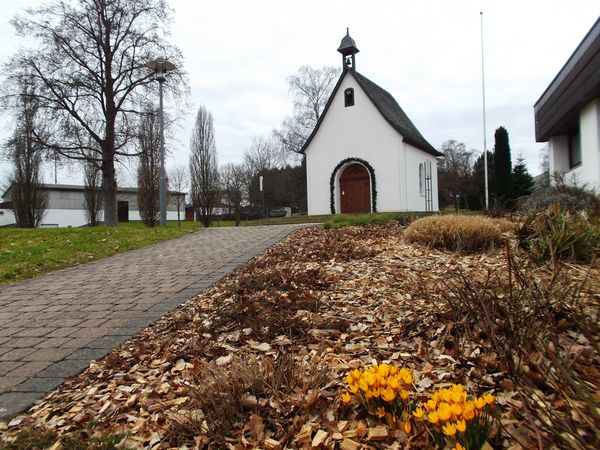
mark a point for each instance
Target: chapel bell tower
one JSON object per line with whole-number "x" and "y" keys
{"x": 348, "y": 50}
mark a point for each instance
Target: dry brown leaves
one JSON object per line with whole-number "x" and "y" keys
{"x": 258, "y": 359}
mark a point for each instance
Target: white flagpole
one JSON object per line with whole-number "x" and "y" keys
{"x": 485, "y": 164}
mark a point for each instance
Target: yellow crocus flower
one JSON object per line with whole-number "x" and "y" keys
{"x": 418, "y": 413}
{"x": 394, "y": 383}
{"x": 449, "y": 429}
{"x": 469, "y": 411}
{"x": 384, "y": 370}
{"x": 345, "y": 397}
{"x": 446, "y": 395}
{"x": 461, "y": 426}
{"x": 371, "y": 379}
{"x": 388, "y": 394}
{"x": 431, "y": 405}
{"x": 456, "y": 410}
{"x": 433, "y": 417}
{"x": 479, "y": 403}
{"x": 458, "y": 395}
{"x": 407, "y": 426}
{"x": 364, "y": 386}
{"x": 444, "y": 411}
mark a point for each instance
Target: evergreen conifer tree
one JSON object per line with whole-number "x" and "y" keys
{"x": 521, "y": 179}
{"x": 502, "y": 167}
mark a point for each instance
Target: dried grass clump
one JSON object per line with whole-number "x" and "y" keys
{"x": 457, "y": 232}
{"x": 224, "y": 398}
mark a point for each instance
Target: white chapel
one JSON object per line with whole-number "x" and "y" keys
{"x": 365, "y": 154}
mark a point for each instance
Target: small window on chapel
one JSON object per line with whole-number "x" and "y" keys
{"x": 349, "y": 97}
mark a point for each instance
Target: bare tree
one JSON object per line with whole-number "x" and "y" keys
{"x": 263, "y": 154}
{"x": 29, "y": 200}
{"x": 92, "y": 192}
{"x": 179, "y": 182}
{"x": 204, "y": 172}
{"x": 148, "y": 170}
{"x": 454, "y": 170}
{"x": 89, "y": 68}
{"x": 234, "y": 187}
{"x": 310, "y": 89}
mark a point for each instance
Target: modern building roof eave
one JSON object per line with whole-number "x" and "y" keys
{"x": 575, "y": 85}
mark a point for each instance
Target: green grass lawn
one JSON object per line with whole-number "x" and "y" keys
{"x": 342, "y": 220}
{"x": 274, "y": 221}
{"x": 25, "y": 253}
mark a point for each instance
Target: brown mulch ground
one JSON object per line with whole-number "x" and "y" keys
{"x": 259, "y": 359}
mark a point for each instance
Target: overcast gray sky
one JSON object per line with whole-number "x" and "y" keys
{"x": 427, "y": 54}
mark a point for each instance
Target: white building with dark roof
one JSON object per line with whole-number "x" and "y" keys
{"x": 567, "y": 115}
{"x": 66, "y": 206}
{"x": 365, "y": 154}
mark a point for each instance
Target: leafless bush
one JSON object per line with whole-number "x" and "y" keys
{"x": 569, "y": 194}
{"x": 224, "y": 398}
{"x": 25, "y": 153}
{"x": 92, "y": 192}
{"x": 544, "y": 326}
{"x": 514, "y": 308}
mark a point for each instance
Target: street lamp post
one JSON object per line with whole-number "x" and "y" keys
{"x": 262, "y": 197}
{"x": 160, "y": 67}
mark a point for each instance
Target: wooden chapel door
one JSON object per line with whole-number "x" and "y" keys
{"x": 355, "y": 190}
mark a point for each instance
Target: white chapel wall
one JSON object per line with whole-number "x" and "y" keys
{"x": 361, "y": 131}
{"x": 358, "y": 131}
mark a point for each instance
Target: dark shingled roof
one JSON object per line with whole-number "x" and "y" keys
{"x": 347, "y": 44}
{"x": 389, "y": 109}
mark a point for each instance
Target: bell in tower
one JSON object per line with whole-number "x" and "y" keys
{"x": 348, "y": 50}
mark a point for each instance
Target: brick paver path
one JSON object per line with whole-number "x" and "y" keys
{"x": 53, "y": 325}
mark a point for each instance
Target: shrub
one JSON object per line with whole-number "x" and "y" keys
{"x": 557, "y": 234}
{"x": 532, "y": 319}
{"x": 222, "y": 397}
{"x": 457, "y": 232}
{"x": 569, "y": 196}
{"x": 509, "y": 306}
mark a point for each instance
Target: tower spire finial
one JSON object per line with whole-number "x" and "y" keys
{"x": 348, "y": 50}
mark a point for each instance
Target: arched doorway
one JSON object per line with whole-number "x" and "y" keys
{"x": 355, "y": 189}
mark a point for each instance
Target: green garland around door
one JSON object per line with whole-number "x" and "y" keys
{"x": 332, "y": 182}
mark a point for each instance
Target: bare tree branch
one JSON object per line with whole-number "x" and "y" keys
{"x": 89, "y": 69}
